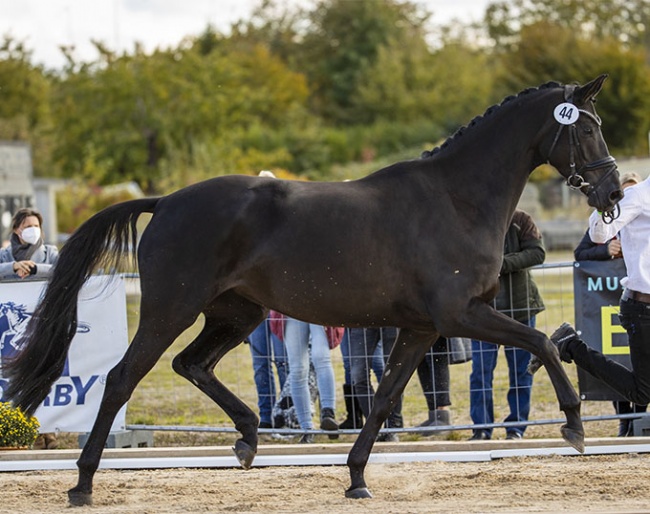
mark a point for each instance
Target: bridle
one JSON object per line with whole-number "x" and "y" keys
{"x": 576, "y": 180}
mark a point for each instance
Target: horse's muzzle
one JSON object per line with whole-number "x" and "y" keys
{"x": 607, "y": 191}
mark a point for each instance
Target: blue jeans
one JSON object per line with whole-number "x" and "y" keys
{"x": 266, "y": 348}
{"x": 297, "y": 341}
{"x": 377, "y": 363}
{"x": 484, "y": 361}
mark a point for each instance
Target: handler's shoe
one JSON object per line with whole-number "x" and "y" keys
{"x": 560, "y": 338}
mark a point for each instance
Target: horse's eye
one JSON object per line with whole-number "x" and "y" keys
{"x": 588, "y": 130}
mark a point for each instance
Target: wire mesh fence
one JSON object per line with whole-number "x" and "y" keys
{"x": 166, "y": 402}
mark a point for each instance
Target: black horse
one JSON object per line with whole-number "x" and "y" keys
{"x": 417, "y": 245}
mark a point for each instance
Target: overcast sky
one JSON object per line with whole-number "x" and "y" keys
{"x": 45, "y": 25}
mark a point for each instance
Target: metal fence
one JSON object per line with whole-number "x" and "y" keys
{"x": 168, "y": 397}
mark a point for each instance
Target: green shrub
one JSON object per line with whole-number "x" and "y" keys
{"x": 16, "y": 429}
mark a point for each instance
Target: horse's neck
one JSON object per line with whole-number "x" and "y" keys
{"x": 489, "y": 167}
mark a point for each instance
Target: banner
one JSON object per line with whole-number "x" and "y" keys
{"x": 100, "y": 342}
{"x": 597, "y": 289}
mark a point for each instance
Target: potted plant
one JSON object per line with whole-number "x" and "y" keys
{"x": 16, "y": 429}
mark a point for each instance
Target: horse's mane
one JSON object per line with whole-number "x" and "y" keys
{"x": 489, "y": 112}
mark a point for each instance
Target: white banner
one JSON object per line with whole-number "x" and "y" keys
{"x": 101, "y": 340}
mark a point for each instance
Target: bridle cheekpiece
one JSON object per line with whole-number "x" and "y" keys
{"x": 566, "y": 115}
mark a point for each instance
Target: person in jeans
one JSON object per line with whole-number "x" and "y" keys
{"x": 363, "y": 343}
{"x": 519, "y": 298}
{"x": 354, "y": 414}
{"x": 633, "y": 228}
{"x": 303, "y": 340}
{"x": 267, "y": 349}
{"x": 587, "y": 250}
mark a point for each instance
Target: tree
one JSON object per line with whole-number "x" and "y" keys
{"x": 623, "y": 104}
{"x": 627, "y": 21}
{"x": 24, "y": 109}
{"x": 122, "y": 117}
{"x": 342, "y": 40}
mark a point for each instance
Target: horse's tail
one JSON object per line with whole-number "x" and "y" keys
{"x": 104, "y": 240}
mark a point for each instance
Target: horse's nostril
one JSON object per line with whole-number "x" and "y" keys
{"x": 616, "y": 195}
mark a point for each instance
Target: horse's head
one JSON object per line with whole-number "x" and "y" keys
{"x": 577, "y": 148}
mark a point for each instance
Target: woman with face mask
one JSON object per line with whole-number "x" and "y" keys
{"x": 27, "y": 255}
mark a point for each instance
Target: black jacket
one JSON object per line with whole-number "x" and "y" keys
{"x": 587, "y": 250}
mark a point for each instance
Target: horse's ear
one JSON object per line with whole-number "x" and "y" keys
{"x": 584, "y": 94}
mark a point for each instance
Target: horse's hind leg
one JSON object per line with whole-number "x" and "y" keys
{"x": 227, "y": 322}
{"x": 155, "y": 334}
{"x": 408, "y": 351}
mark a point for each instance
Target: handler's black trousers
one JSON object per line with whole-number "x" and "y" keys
{"x": 633, "y": 385}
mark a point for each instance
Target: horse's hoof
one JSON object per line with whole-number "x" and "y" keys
{"x": 575, "y": 438}
{"x": 79, "y": 499}
{"x": 358, "y": 493}
{"x": 244, "y": 453}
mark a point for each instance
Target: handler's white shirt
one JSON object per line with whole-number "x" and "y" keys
{"x": 633, "y": 228}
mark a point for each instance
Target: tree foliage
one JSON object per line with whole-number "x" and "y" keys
{"x": 303, "y": 90}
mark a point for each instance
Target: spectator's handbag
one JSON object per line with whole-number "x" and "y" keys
{"x": 460, "y": 349}
{"x": 334, "y": 336}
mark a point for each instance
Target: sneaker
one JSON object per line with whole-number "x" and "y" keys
{"x": 560, "y": 338}
{"x": 480, "y": 435}
{"x": 514, "y": 435}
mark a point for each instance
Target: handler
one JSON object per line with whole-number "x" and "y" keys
{"x": 633, "y": 227}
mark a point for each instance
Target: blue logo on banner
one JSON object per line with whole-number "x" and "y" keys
{"x": 13, "y": 323}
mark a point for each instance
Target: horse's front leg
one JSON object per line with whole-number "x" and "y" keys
{"x": 484, "y": 323}
{"x": 408, "y": 351}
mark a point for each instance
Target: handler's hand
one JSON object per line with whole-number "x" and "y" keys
{"x": 23, "y": 268}
{"x": 614, "y": 248}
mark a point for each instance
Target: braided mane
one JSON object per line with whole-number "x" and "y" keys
{"x": 489, "y": 112}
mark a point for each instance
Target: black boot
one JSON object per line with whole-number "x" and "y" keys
{"x": 561, "y": 338}
{"x": 354, "y": 419}
{"x": 625, "y": 428}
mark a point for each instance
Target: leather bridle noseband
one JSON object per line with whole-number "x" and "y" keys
{"x": 576, "y": 180}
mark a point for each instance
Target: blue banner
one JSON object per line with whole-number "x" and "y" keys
{"x": 597, "y": 290}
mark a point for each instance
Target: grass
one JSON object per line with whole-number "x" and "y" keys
{"x": 164, "y": 398}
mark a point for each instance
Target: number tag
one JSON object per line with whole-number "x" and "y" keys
{"x": 566, "y": 113}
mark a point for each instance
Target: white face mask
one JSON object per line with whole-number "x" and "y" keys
{"x": 31, "y": 235}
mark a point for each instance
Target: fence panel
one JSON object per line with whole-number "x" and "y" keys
{"x": 166, "y": 402}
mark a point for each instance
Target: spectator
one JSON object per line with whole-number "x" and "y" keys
{"x": 518, "y": 298}
{"x": 28, "y": 257}
{"x": 433, "y": 373}
{"x": 299, "y": 337}
{"x": 267, "y": 349}
{"x": 363, "y": 343}
{"x": 354, "y": 418}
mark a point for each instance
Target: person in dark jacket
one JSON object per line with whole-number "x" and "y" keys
{"x": 518, "y": 298}
{"x": 587, "y": 250}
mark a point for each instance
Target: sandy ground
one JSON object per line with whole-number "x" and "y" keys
{"x": 615, "y": 483}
